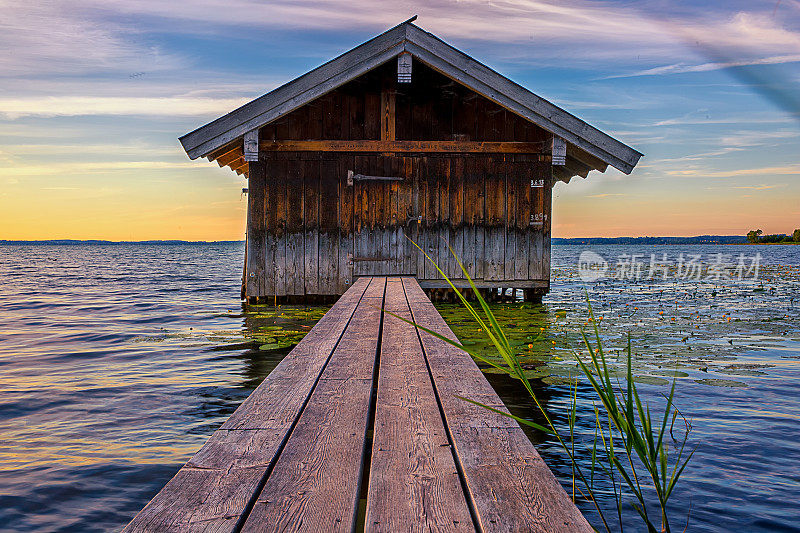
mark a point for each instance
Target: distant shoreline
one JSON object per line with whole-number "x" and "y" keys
{"x": 68, "y": 242}
{"x": 574, "y": 241}
{"x": 699, "y": 239}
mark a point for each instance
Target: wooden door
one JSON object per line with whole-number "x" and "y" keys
{"x": 386, "y": 216}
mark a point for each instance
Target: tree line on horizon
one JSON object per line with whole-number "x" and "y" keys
{"x": 757, "y": 236}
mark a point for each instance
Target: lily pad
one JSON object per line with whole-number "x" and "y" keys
{"x": 740, "y": 372}
{"x": 492, "y": 370}
{"x": 650, "y": 380}
{"x": 721, "y": 382}
{"x": 558, "y": 380}
{"x": 269, "y": 346}
{"x": 669, "y": 373}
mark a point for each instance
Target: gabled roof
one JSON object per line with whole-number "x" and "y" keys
{"x": 588, "y": 148}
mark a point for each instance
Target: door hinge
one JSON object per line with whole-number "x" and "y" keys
{"x": 352, "y": 177}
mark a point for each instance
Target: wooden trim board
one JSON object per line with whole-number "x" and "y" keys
{"x": 393, "y": 146}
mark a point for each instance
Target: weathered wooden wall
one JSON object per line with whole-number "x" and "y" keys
{"x": 315, "y": 233}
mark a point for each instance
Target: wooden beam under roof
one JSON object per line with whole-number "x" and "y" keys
{"x": 238, "y": 163}
{"x": 230, "y": 157}
{"x": 577, "y": 168}
{"x": 573, "y": 152}
{"x": 228, "y": 148}
{"x": 404, "y": 146}
{"x": 561, "y": 174}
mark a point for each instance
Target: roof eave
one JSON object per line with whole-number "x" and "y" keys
{"x": 438, "y": 55}
{"x": 456, "y": 64}
{"x": 293, "y": 94}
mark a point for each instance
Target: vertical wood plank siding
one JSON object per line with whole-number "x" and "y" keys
{"x": 256, "y": 263}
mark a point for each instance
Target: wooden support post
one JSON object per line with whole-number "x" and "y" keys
{"x": 533, "y": 295}
{"x": 255, "y": 269}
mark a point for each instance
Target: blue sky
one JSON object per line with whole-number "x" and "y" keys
{"x": 95, "y": 93}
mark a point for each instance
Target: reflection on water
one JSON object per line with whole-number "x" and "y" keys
{"x": 117, "y": 362}
{"x": 734, "y": 349}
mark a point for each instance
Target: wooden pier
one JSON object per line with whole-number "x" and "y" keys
{"x": 360, "y": 426}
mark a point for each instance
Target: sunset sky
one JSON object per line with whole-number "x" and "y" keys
{"x": 94, "y": 95}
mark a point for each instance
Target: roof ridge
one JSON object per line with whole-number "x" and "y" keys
{"x": 435, "y": 53}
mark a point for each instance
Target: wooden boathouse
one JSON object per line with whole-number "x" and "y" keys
{"x": 364, "y": 426}
{"x": 402, "y": 138}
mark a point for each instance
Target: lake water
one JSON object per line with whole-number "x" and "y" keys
{"x": 117, "y": 362}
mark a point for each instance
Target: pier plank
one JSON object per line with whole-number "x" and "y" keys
{"x": 413, "y": 484}
{"x": 510, "y": 487}
{"x": 212, "y": 490}
{"x": 315, "y": 483}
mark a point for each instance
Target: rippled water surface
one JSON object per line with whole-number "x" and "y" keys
{"x": 117, "y": 362}
{"x": 732, "y": 346}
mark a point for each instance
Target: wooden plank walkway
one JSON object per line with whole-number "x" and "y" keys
{"x": 363, "y": 414}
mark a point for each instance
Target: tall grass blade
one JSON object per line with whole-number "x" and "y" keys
{"x": 629, "y": 423}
